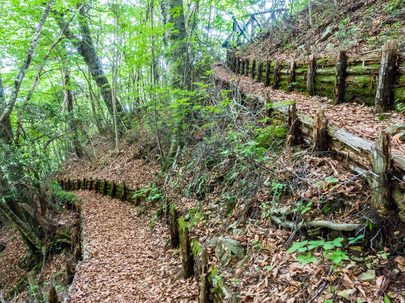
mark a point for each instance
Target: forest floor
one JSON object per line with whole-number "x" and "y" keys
{"x": 124, "y": 260}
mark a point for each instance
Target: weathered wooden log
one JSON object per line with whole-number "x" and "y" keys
{"x": 253, "y": 74}
{"x": 276, "y": 75}
{"x": 293, "y": 125}
{"x": 379, "y": 181}
{"x": 174, "y": 229}
{"x": 340, "y": 83}
{"x": 267, "y": 77}
{"x": 186, "y": 252}
{"x": 260, "y": 71}
{"x": 385, "y": 87}
{"x": 320, "y": 133}
{"x": 204, "y": 283}
{"x": 247, "y": 63}
{"x": 53, "y": 295}
{"x": 311, "y": 75}
{"x": 291, "y": 77}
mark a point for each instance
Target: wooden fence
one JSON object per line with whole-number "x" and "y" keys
{"x": 372, "y": 78}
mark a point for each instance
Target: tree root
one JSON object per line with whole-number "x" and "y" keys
{"x": 320, "y": 223}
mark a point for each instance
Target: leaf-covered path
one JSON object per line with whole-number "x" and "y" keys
{"x": 124, "y": 260}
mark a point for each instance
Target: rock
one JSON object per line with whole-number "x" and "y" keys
{"x": 232, "y": 245}
{"x": 347, "y": 293}
{"x": 395, "y": 129}
{"x": 330, "y": 47}
{"x": 367, "y": 276}
{"x": 316, "y": 99}
{"x": 328, "y": 32}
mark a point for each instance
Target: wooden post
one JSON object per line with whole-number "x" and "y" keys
{"x": 113, "y": 189}
{"x": 53, "y": 295}
{"x": 293, "y": 124}
{"x": 237, "y": 65}
{"x": 247, "y": 62}
{"x": 267, "y": 77}
{"x": 267, "y": 108}
{"x": 311, "y": 75}
{"x": 91, "y": 186}
{"x": 186, "y": 253}
{"x": 260, "y": 71}
{"x": 379, "y": 181}
{"x": 204, "y": 283}
{"x": 174, "y": 229}
{"x": 70, "y": 270}
{"x": 253, "y": 69}
{"x": 84, "y": 183}
{"x": 123, "y": 192}
{"x": 320, "y": 135}
{"x": 97, "y": 186}
{"x": 276, "y": 76}
{"x": 105, "y": 191}
{"x": 340, "y": 84}
{"x": 386, "y": 77}
{"x": 291, "y": 77}
{"x": 242, "y": 66}
{"x": 69, "y": 185}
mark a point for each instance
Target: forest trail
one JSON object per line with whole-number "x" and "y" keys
{"x": 124, "y": 260}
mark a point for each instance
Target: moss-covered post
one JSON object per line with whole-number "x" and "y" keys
{"x": 340, "y": 83}
{"x": 320, "y": 134}
{"x": 247, "y": 63}
{"x": 293, "y": 123}
{"x": 386, "y": 77}
{"x": 186, "y": 252}
{"x": 260, "y": 71}
{"x": 276, "y": 76}
{"x": 253, "y": 74}
{"x": 204, "y": 283}
{"x": 69, "y": 185}
{"x": 311, "y": 75}
{"x": 174, "y": 229}
{"x": 105, "y": 189}
{"x": 242, "y": 66}
{"x": 291, "y": 77}
{"x": 84, "y": 183}
{"x": 113, "y": 189}
{"x": 267, "y": 77}
{"x": 379, "y": 181}
{"x": 267, "y": 105}
{"x": 123, "y": 192}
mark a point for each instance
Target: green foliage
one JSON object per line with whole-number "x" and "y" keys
{"x": 336, "y": 256}
{"x": 302, "y": 208}
{"x": 61, "y": 197}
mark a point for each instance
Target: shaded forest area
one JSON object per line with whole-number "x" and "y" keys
{"x": 202, "y": 151}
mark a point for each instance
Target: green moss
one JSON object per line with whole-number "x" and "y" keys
{"x": 196, "y": 248}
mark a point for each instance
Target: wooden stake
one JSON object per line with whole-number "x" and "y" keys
{"x": 242, "y": 66}
{"x": 276, "y": 76}
{"x": 293, "y": 124}
{"x": 84, "y": 184}
{"x": 204, "y": 283}
{"x": 291, "y": 77}
{"x": 267, "y": 77}
{"x": 113, "y": 190}
{"x": 237, "y": 65}
{"x": 53, "y": 295}
{"x": 311, "y": 75}
{"x": 340, "y": 84}
{"x": 70, "y": 270}
{"x": 379, "y": 181}
{"x": 386, "y": 77}
{"x": 247, "y": 62}
{"x": 105, "y": 192}
{"x": 123, "y": 192}
{"x": 267, "y": 108}
{"x": 253, "y": 69}
{"x": 260, "y": 71}
{"x": 320, "y": 135}
{"x": 174, "y": 229}
{"x": 186, "y": 253}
